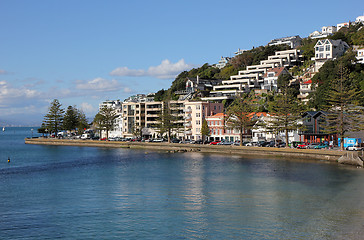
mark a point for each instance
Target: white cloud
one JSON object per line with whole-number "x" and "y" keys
{"x": 3, "y": 71}
{"x": 125, "y": 71}
{"x": 166, "y": 70}
{"x": 87, "y": 108}
{"x": 9, "y": 93}
{"x": 98, "y": 84}
{"x": 127, "y": 90}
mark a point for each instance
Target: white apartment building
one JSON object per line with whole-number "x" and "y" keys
{"x": 293, "y": 41}
{"x": 195, "y": 113}
{"x": 116, "y": 105}
{"x": 222, "y": 62}
{"x": 253, "y": 76}
{"x": 325, "y": 32}
{"x": 327, "y": 49}
{"x": 140, "y": 118}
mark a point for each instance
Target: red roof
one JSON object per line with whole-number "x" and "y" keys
{"x": 308, "y": 82}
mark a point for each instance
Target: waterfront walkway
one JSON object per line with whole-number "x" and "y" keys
{"x": 287, "y": 153}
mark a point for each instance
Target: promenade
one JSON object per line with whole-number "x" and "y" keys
{"x": 286, "y": 153}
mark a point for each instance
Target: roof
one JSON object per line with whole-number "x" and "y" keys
{"x": 278, "y": 71}
{"x": 307, "y": 82}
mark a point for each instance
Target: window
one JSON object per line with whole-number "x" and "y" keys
{"x": 198, "y": 107}
{"x": 198, "y": 115}
{"x": 321, "y": 49}
{"x": 214, "y": 107}
{"x": 198, "y": 122}
{"x": 327, "y": 47}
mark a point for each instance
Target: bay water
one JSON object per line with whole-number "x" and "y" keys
{"x": 65, "y": 192}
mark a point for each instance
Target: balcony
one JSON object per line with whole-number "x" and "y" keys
{"x": 188, "y": 110}
{"x": 189, "y": 132}
{"x": 188, "y": 125}
{"x": 188, "y": 117}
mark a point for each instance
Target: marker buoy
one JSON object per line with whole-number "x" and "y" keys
{"x": 8, "y": 159}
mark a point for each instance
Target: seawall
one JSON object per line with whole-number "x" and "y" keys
{"x": 287, "y": 153}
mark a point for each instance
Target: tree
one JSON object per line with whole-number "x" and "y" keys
{"x": 53, "y": 120}
{"x": 343, "y": 113}
{"x": 285, "y": 109}
{"x": 167, "y": 121}
{"x": 205, "y": 131}
{"x": 81, "y": 121}
{"x": 70, "y": 119}
{"x": 42, "y": 129}
{"x": 239, "y": 116}
{"x": 105, "y": 119}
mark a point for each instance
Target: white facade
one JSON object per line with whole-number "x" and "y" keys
{"x": 271, "y": 78}
{"x": 328, "y": 49}
{"x": 260, "y": 132}
{"x": 223, "y": 62}
{"x": 293, "y": 41}
{"x": 360, "y": 55}
{"x": 360, "y": 19}
{"x": 116, "y": 105}
{"x": 341, "y": 25}
{"x": 253, "y": 76}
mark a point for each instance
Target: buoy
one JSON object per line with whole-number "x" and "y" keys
{"x": 8, "y": 159}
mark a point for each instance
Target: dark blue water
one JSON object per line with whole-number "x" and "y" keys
{"x": 56, "y": 192}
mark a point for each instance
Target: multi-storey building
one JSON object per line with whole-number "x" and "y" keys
{"x": 327, "y": 49}
{"x": 253, "y": 76}
{"x": 195, "y": 113}
{"x": 141, "y": 117}
{"x": 293, "y": 41}
{"x": 305, "y": 90}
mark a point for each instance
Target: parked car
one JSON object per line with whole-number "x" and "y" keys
{"x": 321, "y": 146}
{"x": 280, "y": 144}
{"x": 302, "y": 146}
{"x": 354, "y": 148}
{"x": 225, "y": 143}
{"x": 214, "y": 142}
{"x": 175, "y": 140}
{"x": 312, "y": 145}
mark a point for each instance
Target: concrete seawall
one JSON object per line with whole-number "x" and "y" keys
{"x": 287, "y": 153}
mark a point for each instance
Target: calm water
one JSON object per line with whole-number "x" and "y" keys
{"x": 54, "y": 192}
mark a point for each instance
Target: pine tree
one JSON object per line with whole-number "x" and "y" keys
{"x": 70, "y": 119}
{"x": 285, "y": 109}
{"x": 343, "y": 113}
{"x": 239, "y": 116}
{"x": 53, "y": 120}
{"x": 105, "y": 119}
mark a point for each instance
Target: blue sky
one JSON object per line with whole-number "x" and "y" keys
{"x": 83, "y": 52}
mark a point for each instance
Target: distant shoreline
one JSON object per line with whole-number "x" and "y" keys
{"x": 287, "y": 153}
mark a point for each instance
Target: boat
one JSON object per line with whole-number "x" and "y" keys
{"x": 3, "y": 129}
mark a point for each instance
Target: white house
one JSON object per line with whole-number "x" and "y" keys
{"x": 360, "y": 19}
{"x": 341, "y": 25}
{"x": 360, "y": 55}
{"x": 327, "y": 49}
{"x": 271, "y": 78}
{"x": 223, "y": 62}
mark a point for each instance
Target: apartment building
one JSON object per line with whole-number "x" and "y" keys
{"x": 222, "y": 62}
{"x": 327, "y": 49}
{"x": 293, "y": 41}
{"x": 253, "y": 76}
{"x": 118, "y": 122}
{"x": 305, "y": 90}
{"x": 195, "y": 113}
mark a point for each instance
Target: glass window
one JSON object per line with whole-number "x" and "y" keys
{"x": 327, "y": 47}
